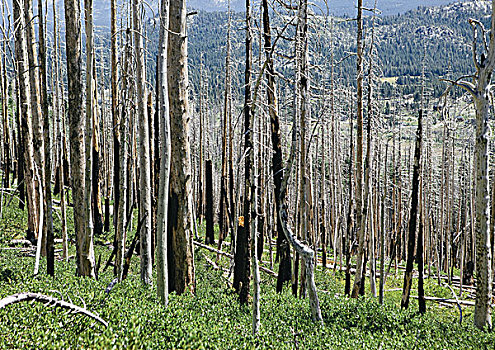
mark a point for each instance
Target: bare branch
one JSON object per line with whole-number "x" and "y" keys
{"x": 49, "y": 301}
{"x": 466, "y": 85}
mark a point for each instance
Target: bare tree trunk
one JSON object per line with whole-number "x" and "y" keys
{"x": 50, "y": 251}
{"x": 242, "y": 259}
{"x": 165, "y": 150}
{"x": 35, "y": 100}
{"x": 413, "y": 216}
{"x": 125, "y": 174}
{"x": 7, "y": 141}
{"x": 84, "y": 239}
{"x": 210, "y": 234}
{"x": 90, "y": 103}
{"x": 479, "y": 90}
{"x": 180, "y": 208}
{"x": 359, "y": 157}
{"x": 144, "y": 147}
{"x": 115, "y": 111}
{"x": 26, "y": 128}
{"x": 383, "y": 230}
{"x": 283, "y": 247}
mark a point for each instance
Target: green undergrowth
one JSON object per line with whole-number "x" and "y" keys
{"x": 213, "y": 318}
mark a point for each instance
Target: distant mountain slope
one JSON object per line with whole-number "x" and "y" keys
{"x": 337, "y": 7}
{"x": 401, "y": 42}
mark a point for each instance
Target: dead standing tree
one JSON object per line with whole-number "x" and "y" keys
{"x": 84, "y": 254}
{"x": 180, "y": 206}
{"x": 144, "y": 147}
{"x": 283, "y": 248}
{"x": 413, "y": 216}
{"x": 163, "y": 110}
{"x": 479, "y": 88}
{"x": 358, "y": 280}
{"x": 242, "y": 258}
{"x": 26, "y": 125}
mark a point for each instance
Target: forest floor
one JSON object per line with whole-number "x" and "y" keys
{"x": 212, "y": 319}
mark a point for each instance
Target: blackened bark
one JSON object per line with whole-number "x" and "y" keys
{"x": 283, "y": 247}
{"x": 242, "y": 257}
{"x": 210, "y": 234}
{"x": 413, "y": 215}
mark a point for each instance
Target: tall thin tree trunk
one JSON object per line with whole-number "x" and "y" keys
{"x": 60, "y": 136}
{"x": 242, "y": 257}
{"x": 115, "y": 111}
{"x": 144, "y": 147}
{"x": 90, "y": 103}
{"x": 35, "y": 100}
{"x": 84, "y": 239}
{"x": 50, "y": 251}
{"x": 165, "y": 150}
{"x": 283, "y": 247}
{"x": 359, "y": 157}
{"x": 180, "y": 207}
{"x": 26, "y": 128}
{"x": 413, "y": 216}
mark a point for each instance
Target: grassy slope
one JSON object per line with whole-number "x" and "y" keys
{"x": 213, "y": 318}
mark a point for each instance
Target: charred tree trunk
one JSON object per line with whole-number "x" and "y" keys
{"x": 413, "y": 216}
{"x": 242, "y": 257}
{"x": 283, "y": 247}
{"x": 210, "y": 234}
{"x": 180, "y": 207}
{"x": 50, "y": 251}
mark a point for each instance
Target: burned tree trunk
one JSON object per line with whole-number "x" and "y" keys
{"x": 180, "y": 207}
{"x": 413, "y": 216}
{"x": 283, "y": 247}
{"x": 210, "y": 234}
{"x": 242, "y": 257}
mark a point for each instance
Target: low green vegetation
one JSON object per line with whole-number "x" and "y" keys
{"x": 212, "y": 319}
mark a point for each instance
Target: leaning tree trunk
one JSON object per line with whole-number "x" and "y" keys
{"x": 180, "y": 207}
{"x": 84, "y": 241}
{"x": 165, "y": 149}
{"x": 144, "y": 148}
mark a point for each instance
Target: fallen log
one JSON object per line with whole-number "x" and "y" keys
{"x": 17, "y": 242}
{"x": 49, "y": 302}
{"x": 449, "y": 301}
{"x": 228, "y": 255}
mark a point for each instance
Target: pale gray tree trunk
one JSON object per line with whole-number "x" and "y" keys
{"x": 35, "y": 100}
{"x": 479, "y": 89}
{"x": 121, "y": 223}
{"x": 84, "y": 254}
{"x": 143, "y": 146}
{"x": 60, "y": 134}
{"x": 26, "y": 127}
{"x": 165, "y": 150}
